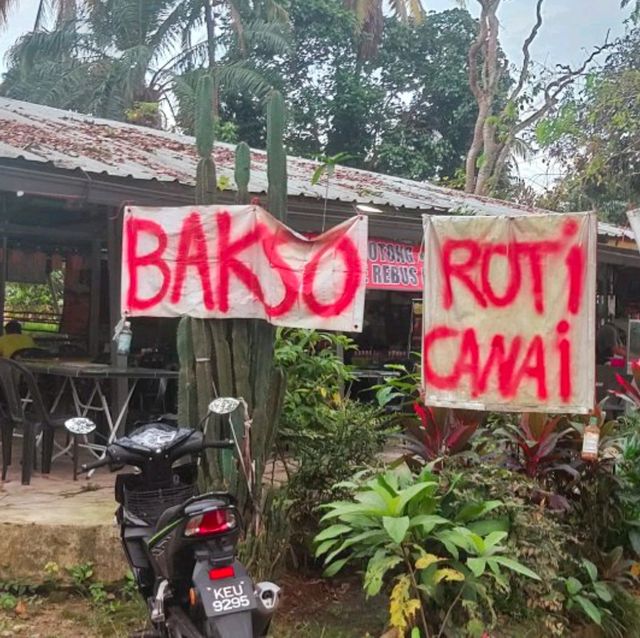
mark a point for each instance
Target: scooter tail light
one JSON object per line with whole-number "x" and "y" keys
{"x": 210, "y": 523}
{"x": 220, "y": 573}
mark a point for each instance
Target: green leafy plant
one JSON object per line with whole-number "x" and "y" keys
{"x": 328, "y": 165}
{"x": 316, "y": 375}
{"x": 395, "y": 523}
{"x": 538, "y": 537}
{"x": 8, "y": 601}
{"x": 403, "y": 389}
{"x": 81, "y": 576}
{"x": 590, "y": 597}
{"x": 129, "y": 589}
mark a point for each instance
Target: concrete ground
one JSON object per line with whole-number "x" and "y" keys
{"x": 56, "y": 499}
{"x": 56, "y": 520}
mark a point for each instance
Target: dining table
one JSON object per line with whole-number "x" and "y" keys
{"x": 97, "y": 375}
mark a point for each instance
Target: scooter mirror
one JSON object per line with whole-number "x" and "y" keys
{"x": 80, "y": 425}
{"x": 224, "y": 405}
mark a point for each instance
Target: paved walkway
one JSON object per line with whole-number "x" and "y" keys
{"x": 58, "y": 520}
{"x": 56, "y": 499}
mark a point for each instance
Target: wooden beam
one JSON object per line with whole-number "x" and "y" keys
{"x": 45, "y": 233}
{"x": 94, "y": 307}
{"x": 39, "y": 180}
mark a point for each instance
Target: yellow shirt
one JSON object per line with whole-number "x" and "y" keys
{"x": 11, "y": 343}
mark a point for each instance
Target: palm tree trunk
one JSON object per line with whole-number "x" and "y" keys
{"x": 211, "y": 48}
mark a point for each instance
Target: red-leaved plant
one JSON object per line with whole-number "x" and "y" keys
{"x": 440, "y": 431}
{"x": 629, "y": 392}
{"x": 535, "y": 449}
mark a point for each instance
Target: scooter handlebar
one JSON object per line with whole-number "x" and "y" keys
{"x": 87, "y": 467}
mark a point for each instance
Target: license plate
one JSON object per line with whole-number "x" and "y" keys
{"x": 230, "y": 596}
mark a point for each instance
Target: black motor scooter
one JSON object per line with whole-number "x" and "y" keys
{"x": 180, "y": 545}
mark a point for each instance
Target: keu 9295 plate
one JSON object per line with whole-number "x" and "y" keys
{"x": 228, "y": 596}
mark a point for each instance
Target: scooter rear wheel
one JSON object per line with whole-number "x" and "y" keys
{"x": 232, "y": 626}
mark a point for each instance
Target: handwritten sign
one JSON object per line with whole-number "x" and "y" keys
{"x": 394, "y": 266}
{"x": 240, "y": 262}
{"x": 509, "y": 312}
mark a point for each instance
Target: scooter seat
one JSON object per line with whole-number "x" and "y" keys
{"x": 168, "y": 516}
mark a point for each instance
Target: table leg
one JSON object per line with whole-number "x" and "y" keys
{"x": 75, "y": 457}
{"x": 83, "y": 408}
{"x": 56, "y": 401}
{"x": 115, "y": 425}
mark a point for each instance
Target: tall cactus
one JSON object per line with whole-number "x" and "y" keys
{"x": 234, "y": 357}
{"x": 276, "y": 157}
{"x": 206, "y": 183}
{"x": 242, "y": 172}
{"x": 187, "y": 393}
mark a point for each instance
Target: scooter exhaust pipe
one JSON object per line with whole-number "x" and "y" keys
{"x": 267, "y": 600}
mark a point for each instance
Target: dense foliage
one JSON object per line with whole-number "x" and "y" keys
{"x": 595, "y": 136}
{"x": 404, "y": 108}
{"x": 498, "y": 526}
{"x": 323, "y": 436}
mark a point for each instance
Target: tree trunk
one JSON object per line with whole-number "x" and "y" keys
{"x": 209, "y": 19}
{"x": 475, "y": 149}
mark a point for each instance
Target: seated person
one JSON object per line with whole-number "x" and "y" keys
{"x": 13, "y": 340}
{"x": 608, "y": 344}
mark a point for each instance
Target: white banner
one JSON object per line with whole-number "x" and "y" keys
{"x": 509, "y": 312}
{"x": 240, "y": 262}
{"x": 634, "y": 220}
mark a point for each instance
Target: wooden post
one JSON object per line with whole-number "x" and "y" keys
{"x": 94, "y": 308}
{"x": 3, "y": 276}
{"x": 4, "y": 260}
{"x": 119, "y": 387}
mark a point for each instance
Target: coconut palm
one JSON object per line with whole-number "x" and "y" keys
{"x": 64, "y": 9}
{"x": 120, "y": 58}
{"x": 370, "y": 19}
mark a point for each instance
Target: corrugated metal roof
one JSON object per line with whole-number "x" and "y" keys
{"x": 73, "y": 141}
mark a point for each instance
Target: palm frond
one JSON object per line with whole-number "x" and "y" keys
{"x": 416, "y": 11}
{"x": 43, "y": 45}
{"x": 269, "y": 36}
{"x": 276, "y": 12}
{"x": 188, "y": 59}
{"x": 40, "y": 15}
{"x": 405, "y": 9}
{"x": 521, "y": 149}
{"x": 5, "y": 6}
{"x": 399, "y": 9}
{"x": 242, "y": 79}
{"x": 172, "y": 27}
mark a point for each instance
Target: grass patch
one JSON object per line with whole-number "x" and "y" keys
{"x": 35, "y": 326}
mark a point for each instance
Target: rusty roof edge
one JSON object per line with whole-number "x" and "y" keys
{"x": 349, "y": 184}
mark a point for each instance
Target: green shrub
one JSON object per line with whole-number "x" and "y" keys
{"x": 350, "y": 437}
{"x": 315, "y": 379}
{"x": 441, "y": 555}
{"x": 538, "y": 537}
